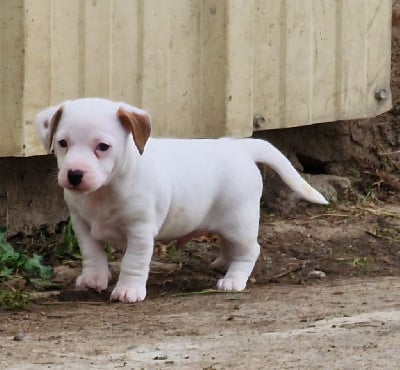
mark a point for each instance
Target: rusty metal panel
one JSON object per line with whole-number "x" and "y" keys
{"x": 202, "y": 68}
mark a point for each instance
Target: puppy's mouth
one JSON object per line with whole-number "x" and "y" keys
{"x": 79, "y": 181}
{"x": 81, "y": 188}
{"x": 77, "y": 189}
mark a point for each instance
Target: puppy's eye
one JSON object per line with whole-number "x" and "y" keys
{"x": 102, "y": 147}
{"x": 62, "y": 143}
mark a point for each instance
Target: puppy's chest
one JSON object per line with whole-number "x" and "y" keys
{"x": 108, "y": 231}
{"x": 106, "y": 224}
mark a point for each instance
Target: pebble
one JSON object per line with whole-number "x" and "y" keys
{"x": 19, "y": 336}
{"x": 316, "y": 274}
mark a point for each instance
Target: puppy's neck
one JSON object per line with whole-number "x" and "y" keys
{"x": 128, "y": 164}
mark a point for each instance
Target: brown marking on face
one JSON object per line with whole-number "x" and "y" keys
{"x": 53, "y": 125}
{"x": 138, "y": 124}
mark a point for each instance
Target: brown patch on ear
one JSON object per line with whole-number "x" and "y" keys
{"x": 53, "y": 125}
{"x": 138, "y": 124}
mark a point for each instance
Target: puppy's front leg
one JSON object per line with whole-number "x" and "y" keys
{"x": 135, "y": 265}
{"x": 95, "y": 272}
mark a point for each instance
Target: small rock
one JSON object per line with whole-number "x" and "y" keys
{"x": 19, "y": 336}
{"x": 161, "y": 357}
{"x": 316, "y": 274}
{"x": 331, "y": 186}
{"x": 66, "y": 275}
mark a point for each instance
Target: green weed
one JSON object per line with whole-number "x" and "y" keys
{"x": 69, "y": 247}
{"x": 14, "y": 300}
{"x": 360, "y": 264}
{"x": 14, "y": 262}
{"x": 172, "y": 250}
{"x": 391, "y": 232}
{"x": 268, "y": 263}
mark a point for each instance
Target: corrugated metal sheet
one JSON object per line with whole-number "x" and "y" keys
{"x": 11, "y": 77}
{"x": 202, "y": 68}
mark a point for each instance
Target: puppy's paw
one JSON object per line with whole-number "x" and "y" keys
{"x": 94, "y": 280}
{"x": 231, "y": 284}
{"x": 128, "y": 293}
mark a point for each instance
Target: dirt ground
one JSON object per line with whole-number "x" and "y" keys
{"x": 290, "y": 317}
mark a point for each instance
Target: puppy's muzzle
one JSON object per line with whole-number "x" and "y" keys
{"x": 75, "y": 177}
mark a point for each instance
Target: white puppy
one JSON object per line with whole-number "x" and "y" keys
{"x": 124, "y": 188}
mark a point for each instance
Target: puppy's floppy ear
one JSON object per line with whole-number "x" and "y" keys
{"x": 136, "y": 121}
{"x": 46, "y": 125}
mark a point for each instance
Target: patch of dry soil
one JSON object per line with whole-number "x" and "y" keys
{"x": 349, "y": 324}
{"x": 287, "y": 319}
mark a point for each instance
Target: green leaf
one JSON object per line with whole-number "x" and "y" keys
{"x": 9, "y": 259}
{"x": 34, "y": 266}
{"x": 7, "y": 253}
{"x": 13, "y": 262}
{"x": 5, "y": 272}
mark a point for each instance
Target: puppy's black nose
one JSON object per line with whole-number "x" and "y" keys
{"x": 75, "y": 177}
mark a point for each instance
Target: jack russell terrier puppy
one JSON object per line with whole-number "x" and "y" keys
{"x": 128, "y": 189}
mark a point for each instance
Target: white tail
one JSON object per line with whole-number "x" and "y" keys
{"x": 264, "y": 152}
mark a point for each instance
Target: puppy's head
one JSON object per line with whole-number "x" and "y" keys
{"x": 89, "y": 138}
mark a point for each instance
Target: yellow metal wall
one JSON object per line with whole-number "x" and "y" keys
{"x": 11, "y": 77}
{"x": 320, "y": 60}
{"x": 202, "y": 68}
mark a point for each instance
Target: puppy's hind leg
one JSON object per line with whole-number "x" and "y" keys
{"x": 238, "y": 230}
{"x": 240, "y": 259}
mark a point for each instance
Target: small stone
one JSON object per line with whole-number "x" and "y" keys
{"x": 316, "y": 274}
{"x": 19, "y": 336}
{"x": 161, "y": 357}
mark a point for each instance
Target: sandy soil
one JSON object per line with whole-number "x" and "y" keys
{"x": 287, "y": 318}
{"x": 345, "y": 325}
